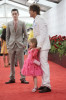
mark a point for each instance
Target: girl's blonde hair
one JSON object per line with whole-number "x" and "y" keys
{"x": 33, "y": 40}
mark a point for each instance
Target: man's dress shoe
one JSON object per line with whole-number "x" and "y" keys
{"x": 45, "y": 89}
{"x": 41, "y": 87}
{"x": 10, "y": 81}
{"x": 24, "y": 81}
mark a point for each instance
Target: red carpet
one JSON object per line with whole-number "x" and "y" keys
{"x": 18, "y": 91}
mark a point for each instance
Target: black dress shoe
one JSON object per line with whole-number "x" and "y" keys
{"x": 45, "y": 89}
{"x": 41, "y": 87}
{"x": 24, "y": 81}
{"x": 9, "y": 64}
{"x": 16, "y": 65}
{"x": 10, "y": 81}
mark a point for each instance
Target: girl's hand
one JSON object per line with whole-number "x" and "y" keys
{"x": 38, "y": 48}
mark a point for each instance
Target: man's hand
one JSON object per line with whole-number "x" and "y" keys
{"x": 38, "y": 48}
{"x": 24, "y": 46}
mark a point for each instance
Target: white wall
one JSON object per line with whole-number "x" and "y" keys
{"x": 5, "y": 14}
{"x": 56, "y": 19}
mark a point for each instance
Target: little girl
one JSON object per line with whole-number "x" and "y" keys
{"x": 31, "y": 65}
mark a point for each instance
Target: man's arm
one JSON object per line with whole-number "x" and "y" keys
{"x": 43, "y": 33}
{"x": 7, "y": 35}
{"x": 25, "y": 34}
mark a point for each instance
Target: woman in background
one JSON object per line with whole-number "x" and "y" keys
{"x": 4, "y": 48}
{"x": 0, "y": 45}
{"x": 31, "y": 35}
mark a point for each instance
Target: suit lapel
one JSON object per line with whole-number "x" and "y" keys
{"x": 13, "y": 25}
{"x": 17, "y": 26}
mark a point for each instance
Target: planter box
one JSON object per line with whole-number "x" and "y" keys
{"x": 55, "y": 58}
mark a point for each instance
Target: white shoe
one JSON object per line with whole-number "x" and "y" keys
{"x": 34, "y": 89}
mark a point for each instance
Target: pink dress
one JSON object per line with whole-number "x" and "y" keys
{"x": 29, "y": 67}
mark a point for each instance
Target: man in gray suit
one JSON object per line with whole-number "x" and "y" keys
{"x": 16, "y": 40}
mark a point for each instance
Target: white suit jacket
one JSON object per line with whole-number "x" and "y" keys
{"x": 41, "y": 33}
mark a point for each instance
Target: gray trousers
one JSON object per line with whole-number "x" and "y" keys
{"x": 16, "y": 60}
{"x": 19, "y": 52}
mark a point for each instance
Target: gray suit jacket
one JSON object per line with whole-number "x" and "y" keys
{"x": 19, "y": 37}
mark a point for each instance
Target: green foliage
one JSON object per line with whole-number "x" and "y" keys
{"x": 0, "y": 32}
{"x": 58, "y": 45}
{"x": 53, "y": 49}
{"x": 28, "y": 25}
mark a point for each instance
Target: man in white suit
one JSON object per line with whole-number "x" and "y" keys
{"x": 41, "y": 34}
{"x": 16, "y": 39}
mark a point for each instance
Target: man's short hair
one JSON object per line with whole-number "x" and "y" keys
{"x": 14, "y": 10}
{"x": 36, "y": 8}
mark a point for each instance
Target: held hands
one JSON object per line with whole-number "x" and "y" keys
{"x": 35, "y": 48}
{"x": 38, "y": 48}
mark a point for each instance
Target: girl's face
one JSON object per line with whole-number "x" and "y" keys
{"x": 31, "y": 45}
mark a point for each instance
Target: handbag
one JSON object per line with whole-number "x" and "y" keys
{"x": 36, "y": 62}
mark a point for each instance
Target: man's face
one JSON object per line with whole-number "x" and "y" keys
{"x": 15, "y": 15}
{"x": 31, "y": 13}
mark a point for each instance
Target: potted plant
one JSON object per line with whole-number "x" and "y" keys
{"x": 58, "y": 48}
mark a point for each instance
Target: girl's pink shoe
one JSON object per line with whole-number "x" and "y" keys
{"x": 34, "y": 89}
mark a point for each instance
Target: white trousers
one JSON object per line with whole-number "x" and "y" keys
{"x": 45, "y": 68}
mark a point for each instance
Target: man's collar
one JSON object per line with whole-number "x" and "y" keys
{"x": 36, "y": 17}
{"x": 15, "y": 21}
